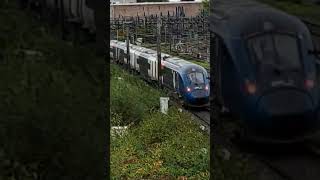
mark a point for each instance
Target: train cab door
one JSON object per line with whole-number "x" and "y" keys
{"x": 180, "y": 88}
{"x": 111, "y": 54}
{"x": 223, "y": 84}
{"x": 217, "y": 69}
{"x": 176, "y": 84}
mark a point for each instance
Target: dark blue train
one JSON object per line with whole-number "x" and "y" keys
{"x": 188, "y": 80}
{"x": 264, "y": 71}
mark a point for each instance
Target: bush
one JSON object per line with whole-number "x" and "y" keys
{"x": 161, "y": 146}
{"x": 130, "y": 96}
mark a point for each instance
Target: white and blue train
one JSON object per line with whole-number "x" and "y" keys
{"x": 190, "y": 81}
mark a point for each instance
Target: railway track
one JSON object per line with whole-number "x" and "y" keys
{"x": 204, "y": 117}
{"x": 201, "y": 115}
{"x": 277, "y": 162}
{"x": 294, "y": 162}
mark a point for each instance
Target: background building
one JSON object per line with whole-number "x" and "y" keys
{"x": 190, "y": 8}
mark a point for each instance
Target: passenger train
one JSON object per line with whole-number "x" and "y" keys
{"x": 264, "y": 71}
{"x": 190, "y": 81}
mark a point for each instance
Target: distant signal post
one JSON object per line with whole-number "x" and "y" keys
{"x": 159, "y": 49}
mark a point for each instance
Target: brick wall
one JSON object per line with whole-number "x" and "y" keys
{"x": 134, "y": 9}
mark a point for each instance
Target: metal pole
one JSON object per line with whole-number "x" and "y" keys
{"x": 117, "y": 34}
{"x": 159, "y": 49}
{"x": 128, "y": 48}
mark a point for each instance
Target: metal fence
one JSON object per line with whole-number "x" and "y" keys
{"x": 179, "y": 34}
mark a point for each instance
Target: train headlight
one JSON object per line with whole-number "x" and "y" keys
{"x": 251, "y": 87}
{"x": 207, "y": 87}
{"x": 188, "y": 89}
{"x": 309, "y": 84}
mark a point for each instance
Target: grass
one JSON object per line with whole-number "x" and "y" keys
{"x": 130, "y": 97}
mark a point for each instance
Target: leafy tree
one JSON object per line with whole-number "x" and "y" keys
{"x": 205, "y": 5}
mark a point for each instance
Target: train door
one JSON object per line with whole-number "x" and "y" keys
{"x": 144, "y": 66}
{"x": 117, "y": 54}
{"x": 168, "y": 78}
{"x": 150, "y": 71}
{"x": 121, "y": 55}
{"x": 125, "y": 57}
{"x": 176, "y": 82}
{"x": 227, "y": 83}
{"x": 181, "y": 85}
{"x": 217, "y": 56}
{"x": 111, "y": 53}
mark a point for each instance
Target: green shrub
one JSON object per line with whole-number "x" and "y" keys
{"x": 130, "y": 96}
{"x": 161, "y": 146}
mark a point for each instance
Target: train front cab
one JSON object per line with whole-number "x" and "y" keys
{"x": 266, "y": 74}
{"x": 284, "y": 90}
{"x": 195, "y": 87}
{"x": 190, "y": 84}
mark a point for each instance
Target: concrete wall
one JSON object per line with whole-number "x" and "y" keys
{"x": 134, "y": 9}
{"x": 122, "y": 1}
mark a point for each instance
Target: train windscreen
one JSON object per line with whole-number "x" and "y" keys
{"x": 196, "y": 78}
{"x": 278, "y": 50}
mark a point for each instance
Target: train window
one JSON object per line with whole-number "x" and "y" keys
{"x": 276, "y": 50}
{"x": 288, "y": 51}
{"x": 196, "y": 77}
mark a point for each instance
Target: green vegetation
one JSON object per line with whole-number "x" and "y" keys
{"x": 130, "y": 97}
{"x": 206, "y": 5}
{"x": 298, "y": 8}
{"x": 51, "y": 123}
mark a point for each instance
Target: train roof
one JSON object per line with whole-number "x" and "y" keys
{"x": 171, "y": 62}
{"x": 235, "y": 18}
